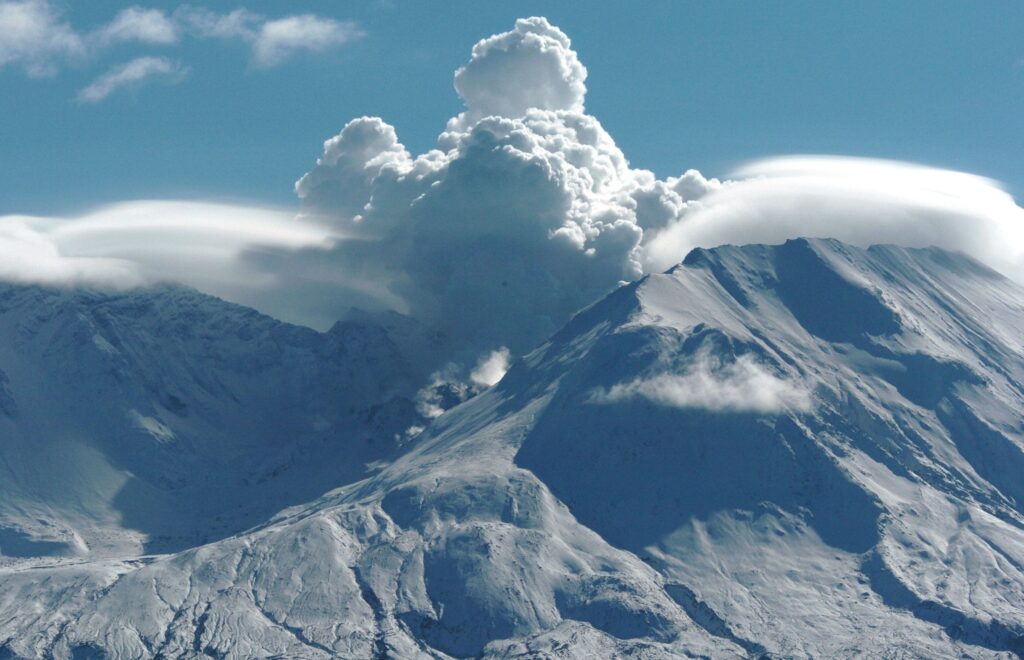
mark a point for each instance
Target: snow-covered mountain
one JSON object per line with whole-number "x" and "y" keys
{"x": 805, "y": 450}
{"x": 155, "y": 420}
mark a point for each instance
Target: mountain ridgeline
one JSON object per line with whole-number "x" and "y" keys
{"x": 802, "y": 450}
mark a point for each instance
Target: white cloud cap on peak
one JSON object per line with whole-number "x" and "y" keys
{"x": 210, "y": 246}
{"x": 531, "y": 66}
{"x": 861, "y": 201}
{"x": 29, "y": 256}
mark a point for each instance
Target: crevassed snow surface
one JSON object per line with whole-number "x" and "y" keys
{"x": 800, "y": 450}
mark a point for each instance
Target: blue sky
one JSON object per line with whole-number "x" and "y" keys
{"x": 678, "y": 85}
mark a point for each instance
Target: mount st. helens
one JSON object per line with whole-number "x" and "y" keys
{"x": 800, "y": 450}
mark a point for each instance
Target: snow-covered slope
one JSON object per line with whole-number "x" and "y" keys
{"x": 159, "y": 419}
{"x": 800, "y": 450}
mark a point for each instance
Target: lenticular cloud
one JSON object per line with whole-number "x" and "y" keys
{"x": 856, "y": 200}
{"x": 212, "y": 247}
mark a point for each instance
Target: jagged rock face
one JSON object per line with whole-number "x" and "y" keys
{"x": 800, "y": 450}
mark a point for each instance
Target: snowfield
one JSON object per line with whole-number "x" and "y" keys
{"x": 802, "y": 450}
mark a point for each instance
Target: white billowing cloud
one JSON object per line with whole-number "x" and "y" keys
{"x": 525, "y": 211}
{"x": 34, "y": 36}
{"x": 131, "y": 74}
{"x": 856, "y": 200}
{"x": 206, "y": 245}
{"x": 342, "y": 182}
{"x": 150, "y": 26}
{"x": 531, "y": 66}
{"x": 491, "y": 368}
{"x": 497, "y": 239}
{"x": 737, "y": 387}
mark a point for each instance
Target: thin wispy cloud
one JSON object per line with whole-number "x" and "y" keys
{"x": 150, "y": 26}
{"x": 272, "y": 40}
{"x": 34, "y": 37}
{"x": 37, "y": 37}
{"x": 206, "y": 23}
{"x": 281, "y": 39}
{"x": 131, "y": 75}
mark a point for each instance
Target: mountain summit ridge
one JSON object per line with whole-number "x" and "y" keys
{"x": 807, "y": 449}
